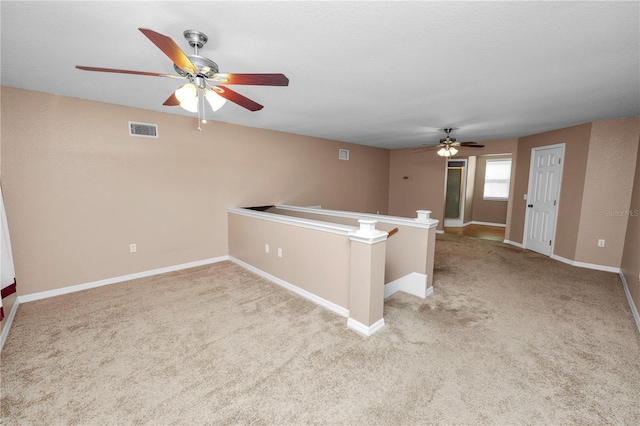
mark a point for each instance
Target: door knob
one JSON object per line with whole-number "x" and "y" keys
{"x": 530, "y": 205}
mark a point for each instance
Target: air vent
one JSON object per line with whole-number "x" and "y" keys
{"x": 343, "y": 154}
{"x": 144, "y": 130}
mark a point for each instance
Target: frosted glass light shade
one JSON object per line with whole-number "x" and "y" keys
{"x": 447, "y": 151}
{"x": 191, "y": 106}
{"x": 443, "y": 152}
{"x": 188, "y": 97}
{"x": 216, "y": 101}
{"x": 186, "y": 92}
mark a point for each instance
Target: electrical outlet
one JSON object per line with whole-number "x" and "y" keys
{"x": 279, "y": 252}
{"x": 266, "y": 248}
{"x": 133, "y": 248}
{"x": 600, "y": 243}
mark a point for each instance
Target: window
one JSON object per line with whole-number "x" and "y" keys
{"x": 497, "y": 176}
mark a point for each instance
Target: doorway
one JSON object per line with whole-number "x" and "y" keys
{"x": 455, "y": 193}
{"x": 542, "y": 198}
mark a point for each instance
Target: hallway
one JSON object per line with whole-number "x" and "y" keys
{"x": 495, "y": 233}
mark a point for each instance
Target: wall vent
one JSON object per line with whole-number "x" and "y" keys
{"x": 343, "y": 154}
{"x": 144, "y": 130}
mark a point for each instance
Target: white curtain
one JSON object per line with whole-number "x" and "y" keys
{"x": 7, "y": 272}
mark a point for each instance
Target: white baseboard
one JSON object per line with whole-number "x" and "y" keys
{"x": 367, "y": 330}
{"x": 439, "y": 231}
{"x": 304, "y": 293}
{"x": 72, "y": 289}
{"x": 632, "y": 305}
{"x": 513, "y": 243}
{"x": 572, "y": 262}
{"x": 475, "y": 222}
{"x": 453, "y": 223}
{"x": 413, "y": 283}
{"x": 7, "y": 325}
{"x": 586, "y": 265}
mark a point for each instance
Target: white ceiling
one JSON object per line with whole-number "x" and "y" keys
{"x": 384, "y": 74}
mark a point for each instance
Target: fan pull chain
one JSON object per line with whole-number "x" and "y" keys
{"x": 204, "y": 110}
{"x": 198, "y": 95}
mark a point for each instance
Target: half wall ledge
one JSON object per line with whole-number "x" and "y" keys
{"x": 339, "y": 260}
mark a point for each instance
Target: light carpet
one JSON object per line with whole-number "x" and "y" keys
{"x": 508, "y": 337}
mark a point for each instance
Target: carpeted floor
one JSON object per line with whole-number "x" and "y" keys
{"x": 508, "y": 337}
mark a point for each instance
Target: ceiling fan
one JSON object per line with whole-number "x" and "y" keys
{"x": 204, "y": 79}
{"x": 448, "y": 145}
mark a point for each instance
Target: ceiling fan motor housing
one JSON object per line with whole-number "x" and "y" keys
{"x": 206, "y": 67}
{"x": 448, "y": 139}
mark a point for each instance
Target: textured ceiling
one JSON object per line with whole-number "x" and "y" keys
{"x": 385, "y": 74}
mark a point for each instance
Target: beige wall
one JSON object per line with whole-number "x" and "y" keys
{"x": 425, "y": 187}
{"x": 333, "y": 266}
{"x": 607, "y": 191}
{"x": 313, "y": 260}
{"x": 78, "y": 190}
{"x": 597, "y": 176}
{"x": 409, "y": 250}
{"x": 578, "y": 222}
{"x": 631, "y": 255}
{"x": 576, "y": 140}
{"x": 485, "y": 210}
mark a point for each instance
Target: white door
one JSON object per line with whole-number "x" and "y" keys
{"x": 542, "y": 198}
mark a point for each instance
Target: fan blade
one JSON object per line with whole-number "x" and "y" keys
{"x": 172, "y": 101}
{"x": 470, "y": 145}
{"x": 237, "y": 98}
{"x": 152, "y": 74}
{"x": 426, "y": 148}
{"x": 171, "y": 49}
{"x": 252, "y": 79}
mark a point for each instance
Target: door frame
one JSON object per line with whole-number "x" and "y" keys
{"x": 529, "y": 190}
{"x": 459, "y": 222}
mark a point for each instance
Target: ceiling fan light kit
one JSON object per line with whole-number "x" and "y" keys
{"x": 447, "y": 151}
{"x": 448, "y": 145}
{"x": 204, "y": 80}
